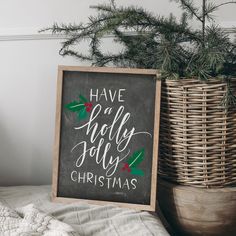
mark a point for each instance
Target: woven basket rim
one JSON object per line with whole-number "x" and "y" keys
{"x": 192, "y": 79}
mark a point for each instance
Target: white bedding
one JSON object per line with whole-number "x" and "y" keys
{"x": 85, "y": 219}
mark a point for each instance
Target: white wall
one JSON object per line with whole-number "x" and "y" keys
{"x": 28, "y": 80}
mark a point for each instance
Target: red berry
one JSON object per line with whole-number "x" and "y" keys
{"x": 126, "y": 165}
{"x": 129, "y": 170}
{"x": 90, "y": 104}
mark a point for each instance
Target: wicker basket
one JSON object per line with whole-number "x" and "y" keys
{"x": 198, "y": 134}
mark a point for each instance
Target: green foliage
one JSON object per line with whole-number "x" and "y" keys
{"x": 167, "y": 44}
{"x": 82, "y": 114}
{"x": 134, "y": 161}
{"x": 136, "y": 158}
{"x": 75, "y": 106}
{"x": 135, "y": 171}
{"x": 79, "y": 107}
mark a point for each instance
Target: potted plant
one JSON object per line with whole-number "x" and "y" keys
{"x": 198, "y": 113}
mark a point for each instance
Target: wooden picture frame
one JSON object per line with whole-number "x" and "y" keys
{"x": 151, "y": 206}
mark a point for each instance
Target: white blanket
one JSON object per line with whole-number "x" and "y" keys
{"x": 84, "y": 219}
{"x": 28, "y": 220}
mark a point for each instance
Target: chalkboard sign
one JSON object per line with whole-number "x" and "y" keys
{"x": 106, "y": 142}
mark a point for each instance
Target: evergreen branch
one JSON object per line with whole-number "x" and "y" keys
{"x": 159, "y": 42}
{"x": 203, "y": 21}
{"x": 105, "y": 7}
{"x": 211, "y": 7}
{"x": 115, "y": 59}
{"x": 189, "y": 7}
{"x": 223, "y": 4}
{"x": 66, "y": 52}
{"x": 183, "y": 20}
{"x": 140, "y": 48}
{"x": 113, "y": 4}
{"x": 94, "y": 45}
{"x": 65, "y": 29}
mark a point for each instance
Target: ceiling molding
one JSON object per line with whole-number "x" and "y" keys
{"x": 36, "y": 36}
{"x": 32, "y": 34}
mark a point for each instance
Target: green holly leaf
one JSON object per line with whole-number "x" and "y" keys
{"x": 136, "y": 171}
{"x": 82, "y": 114}
{"x": 75, "y": 106}
{"x": 136, "y": 158}
{"x": 83, "y": 99}
{"x": 78, "y": 107}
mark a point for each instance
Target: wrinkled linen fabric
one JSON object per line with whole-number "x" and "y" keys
{"x": 29, "y": 221}
{"x": 85, "y": 219}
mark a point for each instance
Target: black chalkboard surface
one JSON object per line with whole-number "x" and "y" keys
{"x": 106, "y": 142}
